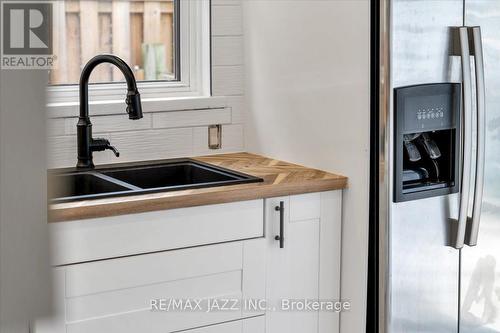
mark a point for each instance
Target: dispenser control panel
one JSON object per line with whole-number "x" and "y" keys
{"x": 427, "y": 107}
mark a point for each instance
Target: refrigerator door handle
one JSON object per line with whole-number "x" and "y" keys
{"x": 477, "y": 51}
{"x": 461, "y": 39}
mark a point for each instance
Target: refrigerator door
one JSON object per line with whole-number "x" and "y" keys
{"x": 480, "y": 267}
{"x": 422, "y": 275}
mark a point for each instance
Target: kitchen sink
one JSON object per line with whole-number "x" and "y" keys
{"x": 171, "y": 175}
{"x": 81, "y": 185}
{"x": 135, "y": 178}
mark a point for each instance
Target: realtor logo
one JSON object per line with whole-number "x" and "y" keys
{"x": 27, "y": 29}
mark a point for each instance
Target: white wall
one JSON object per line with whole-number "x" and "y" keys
{"x": 307, "y": 90}
{"x": 175, "y": 129}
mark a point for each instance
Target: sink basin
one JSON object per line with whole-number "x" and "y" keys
{"x": 81, "y": 185}
{"x": 172, "y": 175}
{"x": 136, "y": 178}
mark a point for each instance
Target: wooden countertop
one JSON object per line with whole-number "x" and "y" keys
{"x": 280, "y": 178}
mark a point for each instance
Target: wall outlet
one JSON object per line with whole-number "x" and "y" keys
{"x": 215, "y": 136}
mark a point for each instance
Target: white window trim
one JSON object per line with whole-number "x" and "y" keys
{"x": 194, "y": 63}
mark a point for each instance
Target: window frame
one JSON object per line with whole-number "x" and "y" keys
{"x": 193, "y": 38}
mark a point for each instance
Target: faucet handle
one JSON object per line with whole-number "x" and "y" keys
{"x": 114, "y": 150}
{"x": 100, "y": 144}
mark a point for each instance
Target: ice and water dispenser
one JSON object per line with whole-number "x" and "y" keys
{"x": 426, "y": 140}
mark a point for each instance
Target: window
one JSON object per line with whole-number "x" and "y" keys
{"x": 165, "y": 42}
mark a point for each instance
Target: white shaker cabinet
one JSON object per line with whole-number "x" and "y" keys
{"x": 307, "y": 266}
{"x": 105, "y": 281}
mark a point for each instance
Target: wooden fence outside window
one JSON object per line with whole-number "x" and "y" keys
{"x": 139, "y": 31}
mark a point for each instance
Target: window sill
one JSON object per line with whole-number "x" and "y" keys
{"x": 66, "y": 110}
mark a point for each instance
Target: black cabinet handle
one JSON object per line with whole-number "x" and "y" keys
{"x": 280, "y": 237}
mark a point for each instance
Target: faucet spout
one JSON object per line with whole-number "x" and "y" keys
{"x": 133, "y": 93}
{"x": 86, "y": 144}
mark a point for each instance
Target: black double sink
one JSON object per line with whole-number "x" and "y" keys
{"x": 67, "y": 185}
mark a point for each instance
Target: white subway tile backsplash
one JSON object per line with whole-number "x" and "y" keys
{"x": 191, "y": 118}
{"x": 227, "y": 80}
{"x": 237, "y": 109}
{"x": 232, "y": 140}
{"x": 61, "y": 151}
{"x": 153, "y": 144}
{"x": 227, "y": 21}
{"x": 114, "y": 123}
{"x": 227, "y": 50}
{"x": 172, "y": 136}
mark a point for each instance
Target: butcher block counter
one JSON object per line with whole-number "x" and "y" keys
{"x": 279, "y": 178}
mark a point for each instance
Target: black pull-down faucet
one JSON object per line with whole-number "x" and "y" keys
{"x": 86, "y": 144}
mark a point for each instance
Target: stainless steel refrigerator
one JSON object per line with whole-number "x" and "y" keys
{"x": 438, "y": 165}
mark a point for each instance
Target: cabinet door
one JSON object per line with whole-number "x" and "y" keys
{"x": 308, "y": 265}
{"x": 116, "y": 295}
